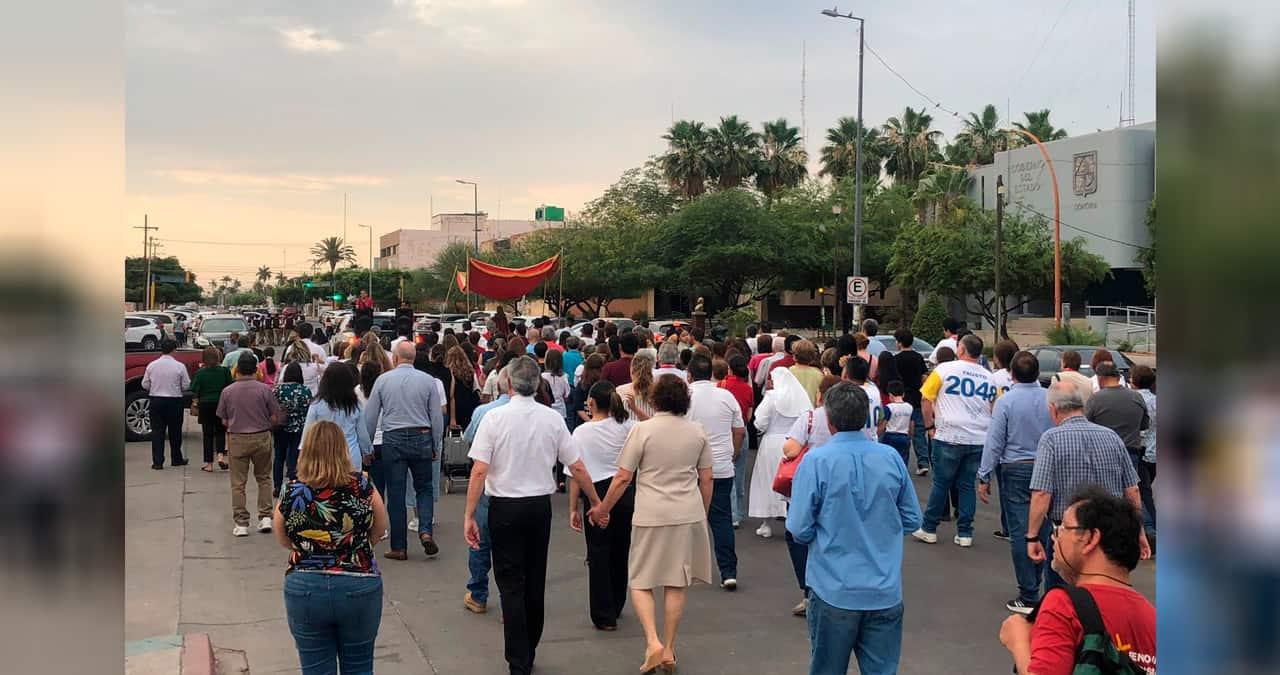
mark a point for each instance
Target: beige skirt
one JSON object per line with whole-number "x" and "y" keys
{"x": 669, "y": 555}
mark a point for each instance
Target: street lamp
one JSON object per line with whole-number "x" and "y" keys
{"x": 836, "y": 210}
{"x": 370, "y": 228}
{"x": 475, "y": 209}
{"x": 834, "y": 13}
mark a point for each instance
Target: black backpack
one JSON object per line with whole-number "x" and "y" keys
{"x": 1097, "y": 653}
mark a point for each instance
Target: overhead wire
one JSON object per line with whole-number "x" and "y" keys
{"x": 1079, "y": 229}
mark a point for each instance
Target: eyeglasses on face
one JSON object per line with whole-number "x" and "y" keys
{"x": 1056, "y": 528}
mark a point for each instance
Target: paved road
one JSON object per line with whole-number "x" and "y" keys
{"x": 186, "y": 573}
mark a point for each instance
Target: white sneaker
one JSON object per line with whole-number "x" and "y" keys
{"x": 264, "y": 525}
{"x": 922, "y": 471}
{"x": 926, "y": 537}
{"x": 729, "y": 584}
{"x": 240, "y": 531}
{"x": 413, "y": 525}
{"x": 962, "y": 542}
{"x": 764, "y": 531}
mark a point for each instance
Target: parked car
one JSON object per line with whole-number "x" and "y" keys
{"x": 141, "y": 332}
{"x": 384, "y": 322}
{"x": 891, "y": 345}
{"x": 1050, "y": 357}
{"x": 219, "y": 327}
{"x": 163, "y": 320}
{"x": 618, "y": 321}
{"x": 137, "y": 407}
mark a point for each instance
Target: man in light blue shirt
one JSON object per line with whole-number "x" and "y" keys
{"x": 480, "y": 559}
{"x": 852, "y": 502}
{"x": 1020, "y": 418}
{"x": 412, "y": 436}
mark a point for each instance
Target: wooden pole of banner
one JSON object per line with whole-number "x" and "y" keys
{"x": 453, "y": 279}
{"x": 561, "y": 263}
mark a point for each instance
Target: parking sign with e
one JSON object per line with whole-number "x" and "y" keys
{"x": 858, "y": 290}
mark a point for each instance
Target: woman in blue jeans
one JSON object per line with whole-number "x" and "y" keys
{"x": 330, "y": 518}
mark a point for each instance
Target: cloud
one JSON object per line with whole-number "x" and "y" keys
{"x": 430, "y": 12}
{"x": 309, "y": 40}
{"x": 260, "y": 182}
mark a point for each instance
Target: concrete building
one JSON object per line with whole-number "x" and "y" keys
{"x": 1105, "y": 182}
{"x": 408, "y": 249}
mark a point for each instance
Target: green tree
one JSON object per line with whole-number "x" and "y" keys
{"x": 735, "y": 151}
{"x": 910, "y": 144}
{"x": 261, "y": 277}
{"x": 941, "y": 191}
{"x": 927, "y": 324}
{"x": 687, "y": 163}
{"x": 840, "y": 153}
{"x": 981, "y": 135}
{"x": 726, "y": 247}
{"x": 600, "y": 263}
{"x": 167, "y": 292}
{"x": 782, "y": 159}
{"x": 331, "y": 251}
{"x": 641, "y": 193}
{"x": 1147, "y": 256}
{"x": 954, "y": 257}
{"x": 1038, "y": 125}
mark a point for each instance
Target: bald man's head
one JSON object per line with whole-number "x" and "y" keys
{"x": 405, "y": 352}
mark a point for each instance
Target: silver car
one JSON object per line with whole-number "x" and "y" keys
{"x": 217, "y": 329}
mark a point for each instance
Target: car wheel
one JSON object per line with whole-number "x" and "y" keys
{"x": 149, "y": 343}
{"x": 137, "y": 417}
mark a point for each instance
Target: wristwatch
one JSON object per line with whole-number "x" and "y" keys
{"x": 1032, "y": 539}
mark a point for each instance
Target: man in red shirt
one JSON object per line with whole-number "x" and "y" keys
{"x": 619, "y": 371}
{"x": 786, "y": 361}
{"x": 364, "y": 302}
{"x": 1095, "y": 549}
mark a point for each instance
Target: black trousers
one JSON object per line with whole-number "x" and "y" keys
{"x": 166, "y": 421}
{"x": 519, "y": 533}
{"x": 212, "y": 431}
{"x": 607, "y": 552}
{"x": 1146, "y": 476}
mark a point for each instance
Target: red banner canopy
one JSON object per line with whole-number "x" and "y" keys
{"x": 501, "y": 283}
{"x": 461, "y": 279}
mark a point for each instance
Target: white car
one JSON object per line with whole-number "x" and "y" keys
{"x": 142, "y": 332}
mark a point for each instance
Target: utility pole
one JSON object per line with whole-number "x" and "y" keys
{"x": 1000, "y": 330}
{"x": 146, "y": 249}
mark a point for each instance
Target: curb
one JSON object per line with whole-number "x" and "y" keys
{"x": 197, "y": 655}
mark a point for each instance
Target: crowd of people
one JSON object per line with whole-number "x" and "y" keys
{"x": 648, "y": 436}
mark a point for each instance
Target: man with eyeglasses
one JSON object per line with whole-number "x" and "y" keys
{"x": 1096, "y": 548}
{"x": 1074, "y": 454}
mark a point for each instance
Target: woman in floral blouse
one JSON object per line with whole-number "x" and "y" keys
{"x": 330, "y": 518}
{"x": 295, "y": 399}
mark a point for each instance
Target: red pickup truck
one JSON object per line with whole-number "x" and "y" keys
{"x": 137, "y": 408}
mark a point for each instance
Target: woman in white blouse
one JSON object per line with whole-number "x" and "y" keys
{"x": 600, "y": 440}
{"x": 779, "y": 410}
{"x": 311, "y": 370}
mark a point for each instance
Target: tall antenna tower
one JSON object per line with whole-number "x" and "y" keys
{"x": 1129, "y": 119}
{"x": 804, "y": 126}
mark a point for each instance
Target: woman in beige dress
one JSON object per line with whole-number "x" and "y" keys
{"x": 669, "y": 459}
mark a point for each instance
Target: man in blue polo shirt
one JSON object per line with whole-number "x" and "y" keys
{"x": 851, "y": 504}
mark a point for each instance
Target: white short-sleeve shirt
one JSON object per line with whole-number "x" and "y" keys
{"x": 600, "y": 444}
{"x": 719, "y": 414}
{"x": 521, "y": 442}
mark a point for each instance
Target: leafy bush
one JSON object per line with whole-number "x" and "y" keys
{"x": 1124, "y": 346}
{"x": 1071, "y": 335}
{"x": 928, "y": 320}
{"x": 735, "y": 320}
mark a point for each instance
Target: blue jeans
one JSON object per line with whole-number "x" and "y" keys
{"x": 874, "y": 636}
{"x": 334, "y": 620}
{"x": 740, "y": 482}
{"x": 1004, "y": 520}
{"x": 955, "y": 466}
{"x": 408, "y": 450}
{"x": 919, "y": 439}
{"x": 480, "y": 560}
{"x": 1015, "y": 501}
{"x": 720, "y": 520}
{"x": 901, "y": 443}
{"x": 285, "y": 461}
{"x": 798, "y": 552}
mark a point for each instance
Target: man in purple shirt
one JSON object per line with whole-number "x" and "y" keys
{"x": 249, "y": 410}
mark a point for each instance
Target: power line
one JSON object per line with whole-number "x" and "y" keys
{"x": 898, "y": 75}
{"x": 1081, "y": 229}
{"x": 237, "y": 243}
{"x": 1040, "y": 50}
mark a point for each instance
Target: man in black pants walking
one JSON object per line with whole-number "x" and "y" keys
{"x": 514, "y": 451}
{"x": 166, "y": 381}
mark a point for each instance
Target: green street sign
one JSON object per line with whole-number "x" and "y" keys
{"x": 553, "y": 213}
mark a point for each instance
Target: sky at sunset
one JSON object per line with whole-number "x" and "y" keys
{"x": 247, "y": 122}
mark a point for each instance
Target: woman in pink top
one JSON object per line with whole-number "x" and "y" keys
{"x": 268, "y": 368}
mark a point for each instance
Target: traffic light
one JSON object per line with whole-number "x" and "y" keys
{"x": 308, "y": 284}
{"x": 337, "y": 297}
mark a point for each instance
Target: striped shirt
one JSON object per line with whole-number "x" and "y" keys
{"x": 1077, "y": 453}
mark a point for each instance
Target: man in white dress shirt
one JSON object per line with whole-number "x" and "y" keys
{"x": 166, "y": 380}
{"x": 515, "y": 452}
{"x": 721, "y": 418}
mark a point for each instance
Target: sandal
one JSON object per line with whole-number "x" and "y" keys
{"x": 207, "y": 468}
{"x": 222, "y": 463}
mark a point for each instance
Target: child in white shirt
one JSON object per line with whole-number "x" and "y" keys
{"x": 898, "y": 426}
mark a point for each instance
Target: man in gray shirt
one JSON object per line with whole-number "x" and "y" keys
{"x": 412, "y": 434}
{"x": 1119, "y": 409}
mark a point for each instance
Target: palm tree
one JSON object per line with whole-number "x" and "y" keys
{"x": 940, "y": 191}
{"x": 734, "y": 150}
{"x": 981, "y": 135}
{"x": 839, "y": 155}
{"x": 686, "y": 164}
{"x": 1038, "y": 125}
{"x": 331, "y": 251}
{"x": 280, "y": 278}
{"x": 782, "y": 158}
{"x": 263, "y": 276}
{"x": 910, "y": 145}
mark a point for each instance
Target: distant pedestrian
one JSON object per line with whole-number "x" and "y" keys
{"x": 166, "y": 382}
{"x": 785, "y": 403}
{"x": 720, "y": 416}
{"x": 1070, "y": 372}
{"x": 480, "y": 556}
{"x": 852, "y": 502}
{"x": 912, "y": 370}
{"x": 738, "y": 383}
{"x": 295, "y": 400}
{"x": 637, "y": 394}
{"x": 337, "y": 402}
{"x": 1143, "y": 379}
{"x": 250, "y": 410}
{"x": 897, "y": 431}
{"x": 330, "y": 518}
{"x": 207, "y": 387}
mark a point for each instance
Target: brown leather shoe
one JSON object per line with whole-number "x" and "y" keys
{"x": 473, "y": 606}
{"x": 396, "y": 555}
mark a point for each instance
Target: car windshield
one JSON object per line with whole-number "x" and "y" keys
{"x": 222, "y": 325}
